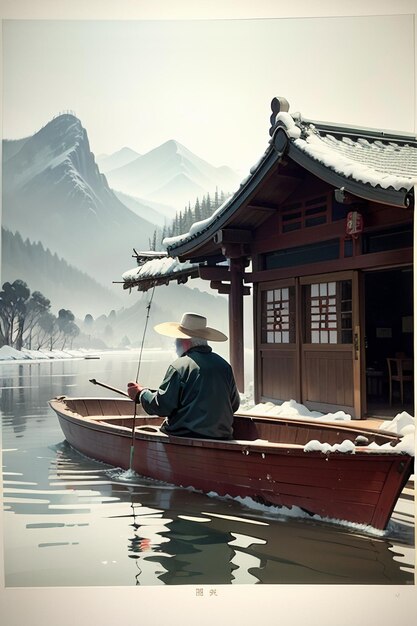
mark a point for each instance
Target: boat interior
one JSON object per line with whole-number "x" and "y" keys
{"x": 120, "y": 413}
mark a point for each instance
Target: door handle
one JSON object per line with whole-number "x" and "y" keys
{"x": 356, "y": 342}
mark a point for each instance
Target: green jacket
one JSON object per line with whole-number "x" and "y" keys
{"x": 198, "y": 396}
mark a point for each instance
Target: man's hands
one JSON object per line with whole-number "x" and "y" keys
{"x": 133, "y": 390}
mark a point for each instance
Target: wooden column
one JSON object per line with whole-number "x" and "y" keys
{"x": 235, "y": 247}
{"x": 236, "y": 321}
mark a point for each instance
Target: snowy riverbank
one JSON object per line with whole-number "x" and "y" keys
{"x": 11, "y": 354}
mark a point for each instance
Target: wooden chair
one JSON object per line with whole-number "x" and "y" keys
{"x": 400, "y": 370}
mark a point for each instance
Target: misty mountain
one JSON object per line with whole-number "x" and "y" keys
{"x": 156, "y": 213}
{"x": 173, "y": 175}
{"x": 65, "y": 286}
{"x": 53, "y": 192}
{"x": 108, "y": 162}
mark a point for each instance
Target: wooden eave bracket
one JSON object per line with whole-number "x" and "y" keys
{"x": 232, "y": 235}
{"x": 217, "y": 273}
{"x": 234, "y": 243}
{"x": 236, "y": 250}
{"x": 225, "y": 288}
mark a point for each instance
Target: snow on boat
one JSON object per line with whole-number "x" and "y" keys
{"x": 335, "y": 470}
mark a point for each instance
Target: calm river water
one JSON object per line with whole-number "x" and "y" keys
{"x": 71, "y": 521}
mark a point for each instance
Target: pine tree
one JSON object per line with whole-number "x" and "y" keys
{"x": 197, "y": 211}
{"x": 164, "y": 234}
{"x": 203, "y": 208}
{"x": 216, "y": 199}
{"x": 208, "y": 206}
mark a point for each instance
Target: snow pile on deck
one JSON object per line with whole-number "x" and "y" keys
{"x": 402, "y": 424}
{"x": 406, "y": 445}
{"x": 315, "y": 446}
{"x": 293, "y": 409}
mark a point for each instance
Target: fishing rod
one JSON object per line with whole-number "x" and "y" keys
{"x": 148, "y": 307}
{"x": 132, "y": 443}
{"x": 123, "y": 393}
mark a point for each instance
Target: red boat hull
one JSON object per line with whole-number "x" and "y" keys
{"x": 362, "y": 487}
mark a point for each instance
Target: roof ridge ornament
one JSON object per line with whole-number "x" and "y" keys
{"x": 278, "y": 104}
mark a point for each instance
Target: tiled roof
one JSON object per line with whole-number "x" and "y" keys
{"x": 378, "y": 158}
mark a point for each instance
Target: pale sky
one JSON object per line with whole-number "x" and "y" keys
{"x": 207, "y": 84}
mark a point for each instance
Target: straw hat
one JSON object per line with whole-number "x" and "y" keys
{"x": 191, "y": 325}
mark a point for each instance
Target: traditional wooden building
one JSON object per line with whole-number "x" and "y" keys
{"x": 322, "y": 231}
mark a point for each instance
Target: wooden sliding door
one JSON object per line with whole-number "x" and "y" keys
{"x": 330, "y": 342}
{"x": 308, "y": 338}
{"x": 278, "y": 354}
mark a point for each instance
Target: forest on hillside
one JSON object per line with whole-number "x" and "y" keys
{"x": 46, "y": 272}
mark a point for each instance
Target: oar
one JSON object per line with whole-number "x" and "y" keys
{"x": 95, "y": 382}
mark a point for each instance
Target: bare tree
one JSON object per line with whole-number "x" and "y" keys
{"x": 13, "y": 309}
{"x": 37, "y": 305}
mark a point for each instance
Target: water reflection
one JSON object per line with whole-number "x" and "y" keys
{"x": 30, "y": 385}
{"x": 224, "y": 537}
{"x": 193, "y": 553}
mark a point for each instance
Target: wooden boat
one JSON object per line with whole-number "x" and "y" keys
{"x": 266, "y": 461}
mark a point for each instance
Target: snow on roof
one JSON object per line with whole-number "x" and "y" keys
{"x": 165, "y": 267}
{"x": 367, "y": 160}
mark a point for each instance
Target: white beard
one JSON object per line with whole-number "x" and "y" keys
{"x": 179, "y": 348}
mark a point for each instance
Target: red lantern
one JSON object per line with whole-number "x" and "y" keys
{"x": 354, "y": 224}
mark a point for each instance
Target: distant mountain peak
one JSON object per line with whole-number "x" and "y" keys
{"x": 62, "y": 133}
{"x": 64, "y": 122}
{"x": 109, "y": 162}
{"x": 126, "y": 150}
{"x": 179, "y": 148}
{"x": 172, "y": 143}
{"x": 68, "y": 115}
{"x": 171, "y": 166}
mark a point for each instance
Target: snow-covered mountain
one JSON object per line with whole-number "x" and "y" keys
{"x": 53, "y": 192}
{"x": 173, "y": 175}
{"x": 108, "y": 162}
